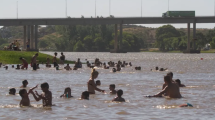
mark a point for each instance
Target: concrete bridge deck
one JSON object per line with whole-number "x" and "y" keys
{"x": 96, "y": 21}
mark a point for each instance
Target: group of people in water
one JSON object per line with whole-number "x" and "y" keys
{"x": 170, "y": 87}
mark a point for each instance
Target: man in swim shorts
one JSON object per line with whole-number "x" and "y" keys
{"x": 55, "y": 60}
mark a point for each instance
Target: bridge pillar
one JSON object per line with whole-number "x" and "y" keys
{"x": 194, "y": 35}
{"x": 120, "y": 37}
{"x": 116, "y": 40}
{"x": 36, "y": 36}
{"x": 24, "y": 41}
{"x": 188, "y": 37}
{"x": 28, "y": 32}
{"x": 32, "y": 37}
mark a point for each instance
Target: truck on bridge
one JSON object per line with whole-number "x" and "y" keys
{"x": 179, "y": 14}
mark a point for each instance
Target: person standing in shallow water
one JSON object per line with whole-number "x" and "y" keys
{"x": 62, "y": 58}
{"x": 54, "y": 60}
{"x": 34, "y": 61}
{"x": 91, "y": 83}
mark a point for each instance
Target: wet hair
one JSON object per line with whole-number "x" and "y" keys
{"x": 67, "y": 89}
{"x": 98, "y": 81}
{"x": 21, "y": 92}
{"x": 20, "y": 58}
{"x": 62, "y": 53}
{"x": 94, "y": 73}
{"x": 167, "y": 78}
{"x": 55, "y": 54}
{"x": 86, "y": 95}
{"x": 170, "y": 74}
{"x": 114, "y": 69}
{"x": 24, "y": 82}
{"x": 44, "y": 85}
{"x": 12, "y": 91}
{"x": 178, "y": 81}
{"x": 119, "y": 93}
{"x": 156, "y": 68}
{"x": 112, "y": 85}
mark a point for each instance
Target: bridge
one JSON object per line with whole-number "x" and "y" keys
{"x": 30, "y": 26}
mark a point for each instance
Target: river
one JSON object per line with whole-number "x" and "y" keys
{"x": 196, "y": 71}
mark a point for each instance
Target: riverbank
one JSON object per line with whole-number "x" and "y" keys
{"x": 203, "y": 51}
{"x": 12, "y": 57}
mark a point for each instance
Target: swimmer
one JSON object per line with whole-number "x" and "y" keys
{"x": 112, "y": 89}
{"x": 172, "y": 89}
{"x": 12, "y": 91}
{"x": 179, "y": 83}
{"x": 46, "y": 96}
{"x": 38, "y": 67}
{"x": 156, "y": 68}
{"x": 67, "y": 93}
{"x": 162, "y": 69}
{"x": 138, "y": 68}
{"x": 24, "y": 84}
{"x": 54, "y": 60}
{"x": 47, "y": 65}
{"x": 18, "y": 67}
{"x": 186, "y": 105}
{"x": 91, "y": 83}
{"x": 6, "y": 67}
{"x": 98, "y": 82}
{"x": 119, "y": 96}
{"x": 171, "y": 76}
{"x": 25, "y": 96}
{"x": 24, "y": 63}
{"x": 68, "y": 67}
{"x": 85, "y": 95}
{"x": 12, "y": 66}
{"x": 118, "y": 68}
{"x": 130, "y": 64}
{"x": 114, "y": 70}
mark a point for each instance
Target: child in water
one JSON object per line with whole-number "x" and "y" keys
{"x": 46, "y": 96}
{"x": 112, "y": 89}
{"x": 24, "y": 84}
{"x": 85, "y": 95}
{"x": 91, "y": 83}
{"x": 119, "y": 96}
{"x": 67, "y": 93}
{"x": 98, "y": 82}
{"x": 24, "y": 94}
{"x": 12, "y": 91}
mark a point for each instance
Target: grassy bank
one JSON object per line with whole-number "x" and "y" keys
{"x": 12, "y": 57}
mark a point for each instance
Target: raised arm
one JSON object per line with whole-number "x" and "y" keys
{"x": 35, "y": 97}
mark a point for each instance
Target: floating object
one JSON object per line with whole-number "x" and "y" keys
{"x": 201, "y": 58}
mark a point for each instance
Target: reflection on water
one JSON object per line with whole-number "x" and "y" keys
{"x": 198, "y": 75}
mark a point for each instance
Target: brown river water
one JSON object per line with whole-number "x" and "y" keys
{"x": 198, "y": 75}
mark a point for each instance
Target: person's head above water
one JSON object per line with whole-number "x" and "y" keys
{"x": 44, "y": 86}
{"x": 167, "y": 79}
{"x": 85, "y": 95}
{"x": 98, "y": 82}
{"x": 119, "y": 93}
{"x": 178, "y": 81}
{"x": 114, "y": 70}
{"x": 170, "y": 74}
{"x": 156, "y": 68}
{"x": 23, "y": 93}
{"x": 24, "y": 83}
{"x": 61, "y": 53}
{"x": 112, "y": 87}
{"x": 12, "y": 91}
{"x": 94, "y": 74}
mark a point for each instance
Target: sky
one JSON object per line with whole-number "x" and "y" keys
{"x": 119, "y": 8}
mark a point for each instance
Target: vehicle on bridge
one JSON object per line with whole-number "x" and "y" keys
{"x": 179, "y": 14}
